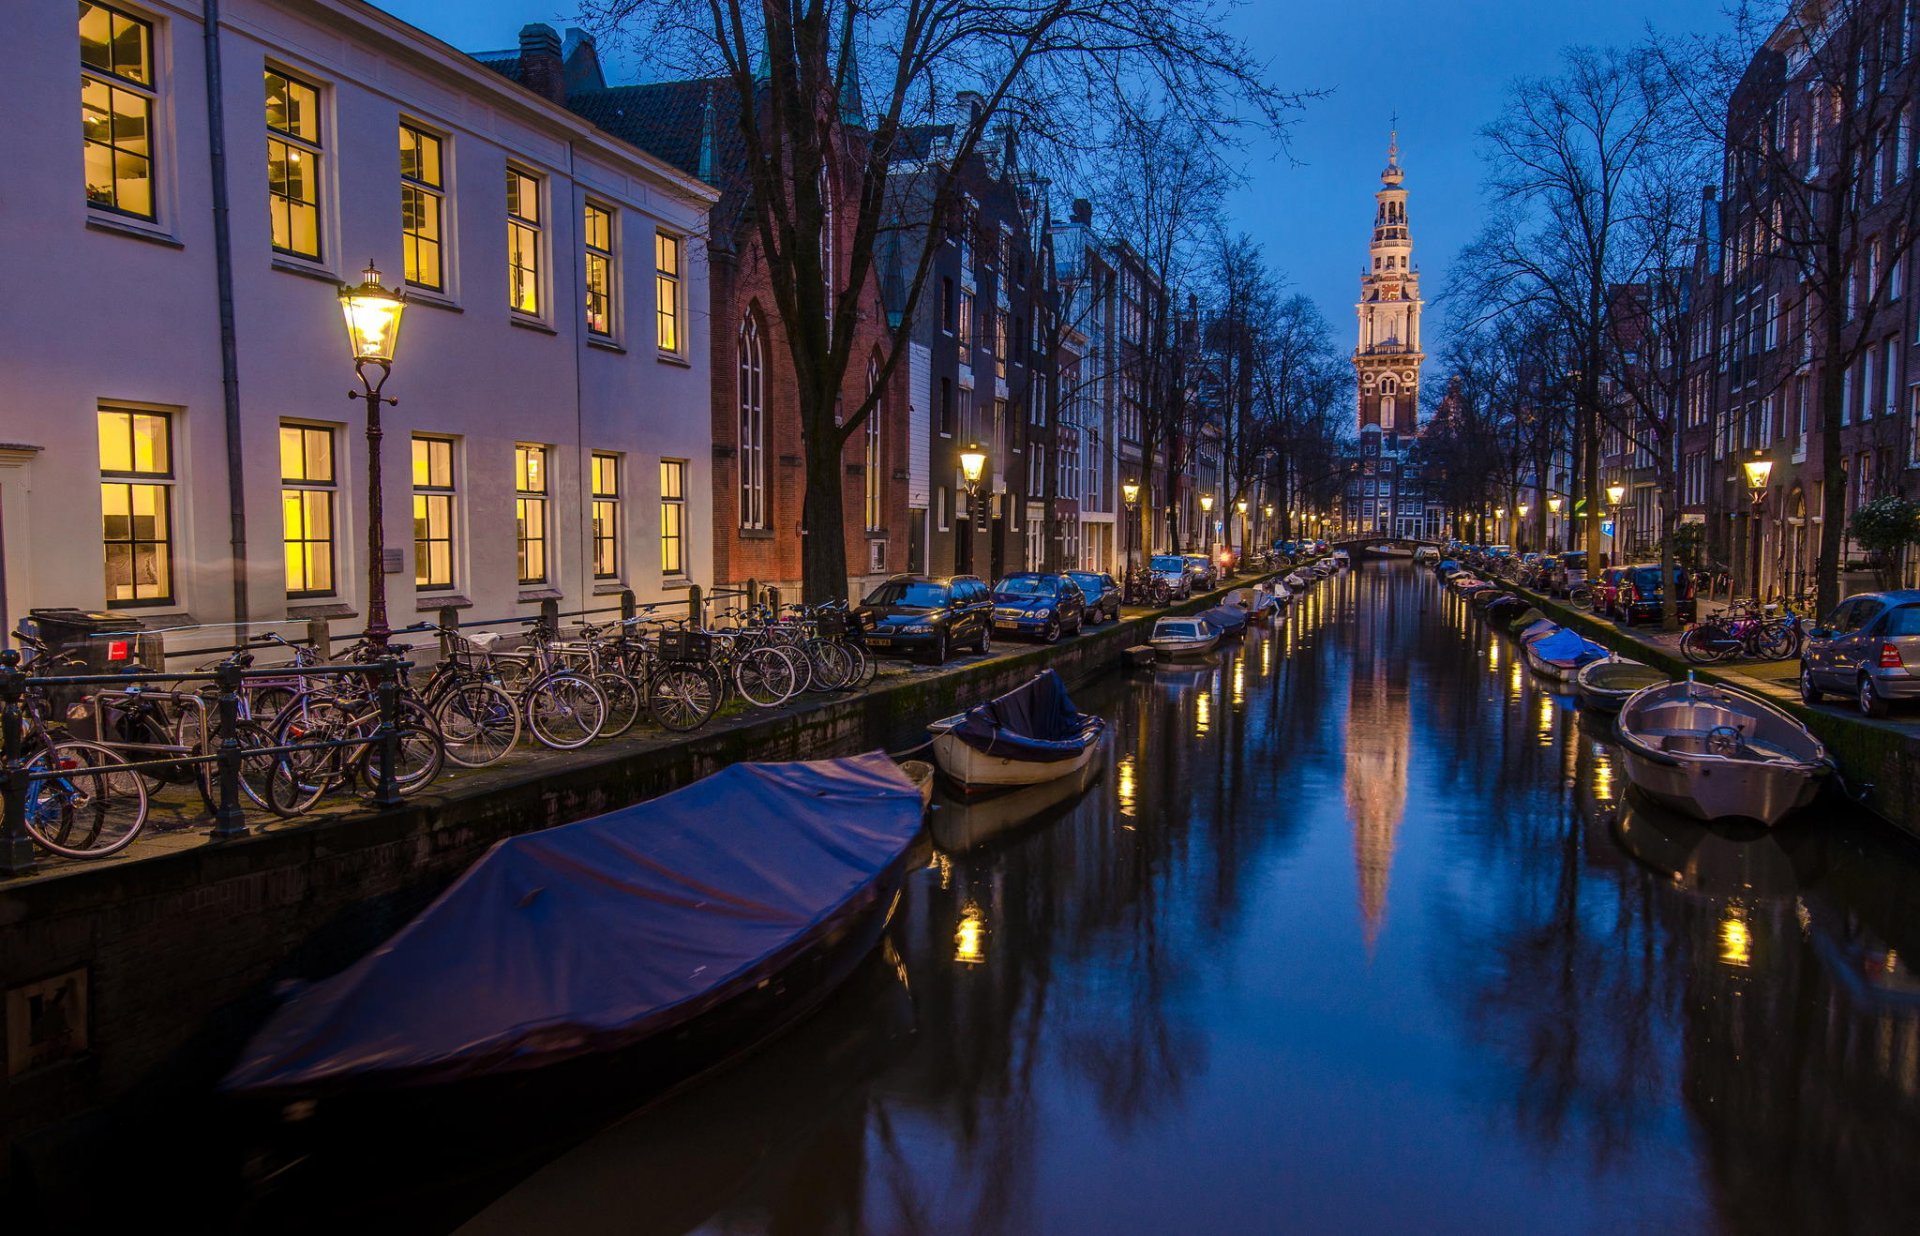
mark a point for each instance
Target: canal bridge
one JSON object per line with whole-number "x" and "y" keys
{"x": 1362, "y": 546}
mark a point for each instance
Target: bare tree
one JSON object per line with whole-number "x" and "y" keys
{"x": 817, "y": 85}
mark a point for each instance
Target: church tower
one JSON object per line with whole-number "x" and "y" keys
{"x": 1388, "y": 357}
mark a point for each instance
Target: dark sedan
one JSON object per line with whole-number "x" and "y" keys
{"x": 913, "y": 613}
{"x": 1044, "y": 606}
{"x": 1637, "y": 595}
{"x": 1102, "y": 594}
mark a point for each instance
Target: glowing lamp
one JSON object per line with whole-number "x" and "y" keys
{"x": 1758, "y": 471}
{"x": 1206, "y": 503}
{"x": 1131, "y": 492}
{"x": 1554, "y": 504}
{"x": 973, "y": 463}
{"x": 1615, "y": 493}
{"x": 373, "y": 313}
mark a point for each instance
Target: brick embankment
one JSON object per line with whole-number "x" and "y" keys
{"x": 179, "y": 946}
{"x": 1879, "y": 760}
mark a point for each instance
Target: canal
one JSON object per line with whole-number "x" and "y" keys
{"x": 1357, "y": 930}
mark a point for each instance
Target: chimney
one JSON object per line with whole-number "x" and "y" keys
{"x": 541, "y": 69}
{"x": 1082, "y": 211}
{"x": 582, "y": 63}
{"x": 974, "y": 102}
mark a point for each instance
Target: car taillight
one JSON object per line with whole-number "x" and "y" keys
{"x": 1890, "y": 657}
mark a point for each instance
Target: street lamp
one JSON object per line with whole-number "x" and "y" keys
{"x": 1759, "y": 471}
{"x": 1553, "y": 525}
{"x": 1615, "y": 495}
{"x": 973, "y": 466}
{"x": 372, "y": 314}
{"x": 1130, "y": 493}
{"x": 1206, "y": 510}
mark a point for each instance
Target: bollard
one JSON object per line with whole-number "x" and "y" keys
{"x": 753, "y": 595}
{"x": 696, "y": 605}
{"x": 773, "y": 600}
{"x": 387, "y": 751}
{"x": 320, "y": 635}
{"x": 229, "y": 820}
{"x": 449, "y": 620}
{"x": 550, "y": 615}
{"x": 629, "y": 608}
{"x": 16, "y": 847}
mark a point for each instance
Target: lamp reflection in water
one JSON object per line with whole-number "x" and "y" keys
{"x": 1239, "y": 681}
{"x": 1124, "y": 784}
{"x": 1202, "y": 712}
{"x": 1603, "y": 778}
{"x": 1546, "y": 720}
{"x": 970, "y": 937}
{"x": 1493, "y": 655}
{"x": 1513, "y": 681}
{"x": 1736, "y": 938}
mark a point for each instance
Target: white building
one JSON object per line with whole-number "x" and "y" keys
{"x": 552, "y": 437}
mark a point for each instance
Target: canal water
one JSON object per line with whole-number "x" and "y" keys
{"x": 1356, "y": 930}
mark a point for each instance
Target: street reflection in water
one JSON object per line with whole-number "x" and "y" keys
{"x": 1355, "y": 928}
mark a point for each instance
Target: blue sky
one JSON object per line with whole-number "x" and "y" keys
{"x": 1442, "y": 64}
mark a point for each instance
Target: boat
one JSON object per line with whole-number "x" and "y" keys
{"x": 1607, "y": 684}
{"x": 667, "y": 936}
{"x": 1230, "y": 620}
{"x": 921, "y": 774}
{"x": 1341, "y": 558}
{"x": 1559, "y": 655}
{"x": 961, "y": 826}
{"x": 1716, "y": 753}
{"x": 1390, "y": 550}
{"x": 1527, "y": 618}
{"x": 1296, "y": 581}
{"x": 1031, "y": 734}
{"x": 1505, "y": 608}
{"x": 1183, "y": 637}
{"x": 1257, "y": 603}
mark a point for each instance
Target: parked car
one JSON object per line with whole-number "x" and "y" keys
{"x": 1171, "y": 570}
{"x": 1038, "y": 604}
{"x": 1605, "y": 589}
{"x": 1868, "y": 648}
{"x": 1102, "y": 592}
{"x": 918, "y": 613}
{"x": 1202, "y": 569}
{"x": 1569, "y": 569}
{"x": 1637, "y": 597}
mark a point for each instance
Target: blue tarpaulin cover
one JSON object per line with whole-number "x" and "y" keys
{"x": 1228, "y": 618}
{"x": 1566, "y": 647}
{"x": 594, "y": 935}
{"x": 1035, "y": 721}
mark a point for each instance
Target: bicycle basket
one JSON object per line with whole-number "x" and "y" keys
{"x": 685, "y": 646}
{"x": 831, "y": 625}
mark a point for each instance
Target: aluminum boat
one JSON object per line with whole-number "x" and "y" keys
{"x": 1716, "y": 753}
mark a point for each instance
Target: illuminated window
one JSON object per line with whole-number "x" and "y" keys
{"x": 673, "y": 515}
{"x": 523, "y": 241}
{"x": 597, "y": 238}
{"x": 293, "y": 164}
{"x": 753, "y": 427}
{"x": 306, "y": 508}
{"x": 433, "y": 496}
{"x": 666, "y": 290}
{"x": 422, "y": 207}
{"x": 875, "y": 475}
{"x": 530, "y": 511}
{"x": 136, "y": 503}
{"x": 606, "y": 516}
{"x": 116, "y": 109}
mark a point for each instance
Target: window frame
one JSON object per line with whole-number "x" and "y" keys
{"x": 606, "y": 256}
{"x": 605, "y": 498}
{"x": 750, "y": 403}
{"x": 434, "y": 191}
{"x": 162, "y": 481}
{"x": 532, "y": 505}
{"x": 670, "y": 294}
{"x": 315, "y": 148}
{"x": 426, "y": 494}
{"x": 147, "y": 92}
{"x": 535, "y": 228}
{"x": 329, "y": 488}
{"x": 673, "y": 519}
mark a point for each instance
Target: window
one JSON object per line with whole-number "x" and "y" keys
{"x": 947, "y": 309}
{"x": 753, "y": 428}
{"x": 523, "y": 242}
{"x": 136, "y": 504}
{"x": 606, "y": 516}
{"x": 673, "y": 515}
{"x": 1889, "y": 377}
{"x": 999, "y": 342}
{"x": 946, "y": 407}
{"x": 422, "y": 207}
{"x": 875, "y": 475}
{"x": 940, "y": 501}
{"x": 596, "y": 236}
{"x": 965, "y": 324}
{"x": 666, "y": 290}
{"x": 293, "y": 164}
{"x": 432, "y": 513}
{"x": 116, "y": 109}
{"x": 306, "y": 508}
{"x": 530, "y": 511}
{"x": 967, "y": 426}
{"x": 1773, "y": 322}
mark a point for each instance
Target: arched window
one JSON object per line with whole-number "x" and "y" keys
{"x": 1386, "y": 412}
{"x": 875, "y": 476}
{"x": 753, "y": 427}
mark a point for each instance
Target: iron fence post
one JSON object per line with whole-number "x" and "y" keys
{"x": 229, "y": 820}
{"x": 387, "y": 754}
{"x": 16, "y": 847}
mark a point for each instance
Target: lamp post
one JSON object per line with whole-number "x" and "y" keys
{"x": 973, "y": 466}
{"x": 1759, "y": 470}
{"x": 372, "y": 314}
{"x": 1241, "y": 506}
{"x": 1520, "y": 525}
{"x": 1553, "y": 529}
{"x": 1130, "y": 493}
{"x": 1499, "y": 517}
{"x": 1616, "y": 494}
{"x": 1206, "y": 512}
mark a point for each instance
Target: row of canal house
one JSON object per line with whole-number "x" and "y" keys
{"x": 592, "y": 385}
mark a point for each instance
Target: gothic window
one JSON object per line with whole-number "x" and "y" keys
{"x": 753, "y": 428}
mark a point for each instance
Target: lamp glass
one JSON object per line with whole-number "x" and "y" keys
{"x": 1131, "y": 492}
{"x": 1758, "y": 471}
{"x": 1206, "y": 503}
{"x": 1615, "y": 493}
{"x": 1524, "y": 508}
{"x": 1553, "y": 504}
{"x": 372, "y": 312}
{"x": 973, "y": 464}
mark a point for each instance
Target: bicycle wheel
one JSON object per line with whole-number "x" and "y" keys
{"x": 763, "y": 677}
{"x": 1775, "y": 642}
{"x": 1701, "y": 645}
{"x": 832, "y": 667}
{"x": 418, "y": 758}
{"x": 82, "y": 802}
{"x": 256, "y": 770}
{"x": 564, "y": 711}
{"x": 683, "y": 697}
{"x": 865, "y": 668}
{"x": 479, "y": 723}
{"x": 796, "y": 661}
{"x": 624, "y": 704}
{"x": 1581, "y": 597}
{"x": 514, "y": 673}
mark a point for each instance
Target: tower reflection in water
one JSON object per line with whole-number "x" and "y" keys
{"x": 1379, "y": 725}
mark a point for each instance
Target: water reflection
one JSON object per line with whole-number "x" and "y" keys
{"x": 1163, "y": 998}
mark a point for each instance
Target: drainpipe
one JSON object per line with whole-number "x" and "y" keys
{"x": 229, "y": 347}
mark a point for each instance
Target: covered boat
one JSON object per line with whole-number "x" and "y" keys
{"x": 1230, "y": 620}
{"x": 1505, "y": 608}
{"x": 1609, "y": 683}
{"x": 1717, "y": 753}
{"x": 1561, "y": 654}
{"x": 1031, "y": 734}
{"x": 686, "y": 928}
{"x": 1295, "y": 580}
{"x": 1256, "y": 603}
{"x": 1183, "y": 637}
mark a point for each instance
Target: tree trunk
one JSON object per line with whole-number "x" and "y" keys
{"x": 1590, "y": 470}
{"x": 823, "y": 541}
{"x": 1833, "y": 476}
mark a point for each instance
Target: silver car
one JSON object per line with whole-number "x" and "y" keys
{"x": 1867, "y": 648}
